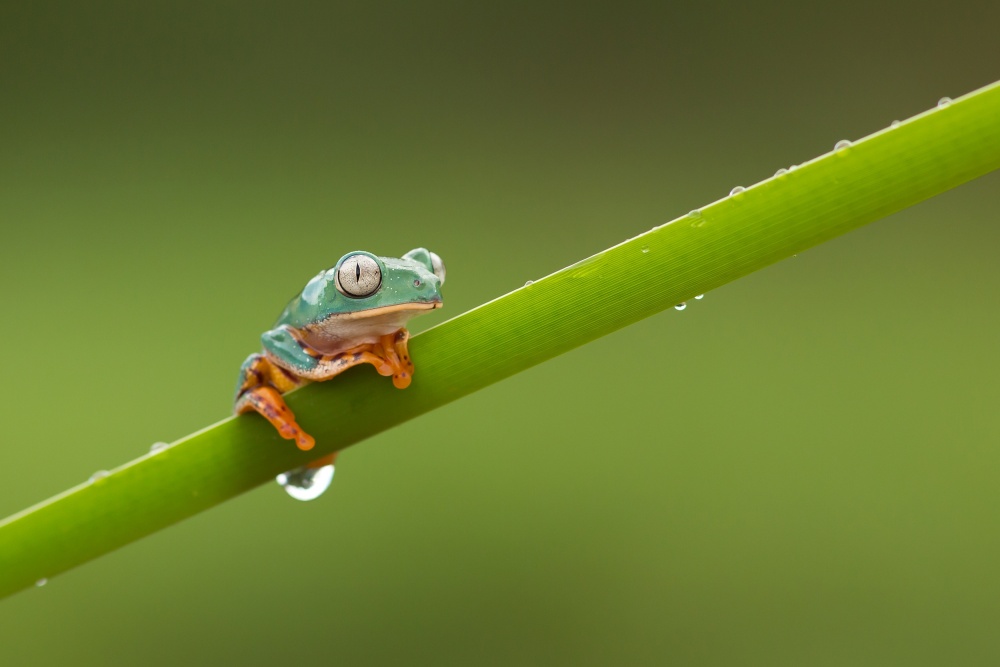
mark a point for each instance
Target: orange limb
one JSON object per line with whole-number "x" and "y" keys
{"x": 389, "y": 356}
{"x": 363, "y": 354}
{"x": 396, "y": 354}
{"x": 269, "y": 403}
{"x": 260, "y": 390}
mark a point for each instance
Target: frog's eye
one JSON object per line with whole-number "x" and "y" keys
{"x": 438, "y": 266}
{"x": 358, "y": 276}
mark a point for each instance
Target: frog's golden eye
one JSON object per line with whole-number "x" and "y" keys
{"x": 438, "y": 266}
{"x": 358, "y": 276}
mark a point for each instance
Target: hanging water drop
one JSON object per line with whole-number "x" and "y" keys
{"x": 100, "y": 474}
{"x": 700, "y": 296}
{"x": 681, "y": 306}
{"x": 944, "y": 102}
{"x": 306, "y": 483}
{"x": 41, "y": 582}
{"x": 841, "y": 146}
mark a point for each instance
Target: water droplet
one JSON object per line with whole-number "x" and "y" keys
{"x": 681, "y": 306}
{"x": 737, "y": 191}
{"x": 781, "y": 172}
{"x": 696, "y": 218}
{"x": 894, "y": 124}
{"x": 841, "y": 146}
{"x": 700, "y": 296}
{"x": 645, "y": 249}
{"x": 944, "y": 102}
{"x": 306, "y": 483}
{"x": 793, "y": 167}
{"x": 528, "y": 283}
{"x": 100, "y": 474}
{"x": 157, "y": 446}
{"x": 41, "y": 582}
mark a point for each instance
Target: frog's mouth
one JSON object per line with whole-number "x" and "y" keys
{"x": 413, "y": 306}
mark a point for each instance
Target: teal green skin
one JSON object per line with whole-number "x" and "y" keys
{"x": 322, "y": 311}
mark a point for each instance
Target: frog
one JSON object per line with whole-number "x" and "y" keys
{"x": 353, "y": 313}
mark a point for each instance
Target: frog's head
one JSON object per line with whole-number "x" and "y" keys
{"x": 364, "y": 286}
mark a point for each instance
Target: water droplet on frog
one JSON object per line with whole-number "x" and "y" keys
{"x": 528, "y": 283}
{"x": 41, "y": 582}
{"x": 681, "y": 306}
{"x": 100, "y": 474}
{"x": 157, "y": 446}
{"x": 781, "y": 172}
{"x": 696, "y": 218}
{"x": 944, "y": 102}
{"x": 700, "y": 296}
{"x": 306, "y": 483}
{"x": 737, "y": 191}
{"x": 645, "y": 249}
{"x": 842, "y": 146}
{"x": 894, "y": 124}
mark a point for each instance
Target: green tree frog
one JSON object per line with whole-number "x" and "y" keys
{"x": 354, "y": 313}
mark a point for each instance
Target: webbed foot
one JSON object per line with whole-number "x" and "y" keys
{"x": 269, "y": 403}
{"x": 396, "y": 353}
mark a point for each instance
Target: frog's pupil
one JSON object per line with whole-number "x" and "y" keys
{"x": 357, "y": 271}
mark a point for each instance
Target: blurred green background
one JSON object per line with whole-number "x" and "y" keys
{"x": 799, "y": 469}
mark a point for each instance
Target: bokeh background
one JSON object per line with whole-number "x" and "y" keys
{"x": 799, "y": 469}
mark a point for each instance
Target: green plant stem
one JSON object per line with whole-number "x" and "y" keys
{"x": 730, "y": 238}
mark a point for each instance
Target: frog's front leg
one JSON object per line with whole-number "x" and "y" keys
{"x": 260, "y": 387}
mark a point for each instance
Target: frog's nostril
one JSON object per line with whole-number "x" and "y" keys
{"x": 417, "y": 283}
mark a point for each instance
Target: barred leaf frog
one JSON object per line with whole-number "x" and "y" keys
{"x": 354, "y": 313}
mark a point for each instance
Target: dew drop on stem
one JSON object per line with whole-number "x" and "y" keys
{"x": 306, "y": 483}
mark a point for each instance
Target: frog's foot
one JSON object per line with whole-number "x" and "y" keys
{"x": 260, "y": 388}
{"x": 395, "y": 351}
{"x": 269, "y": 403}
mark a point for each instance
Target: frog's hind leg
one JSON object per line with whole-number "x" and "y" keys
{"x": 389, "y": 356}
{"x": 260, "y": 387}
